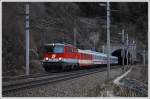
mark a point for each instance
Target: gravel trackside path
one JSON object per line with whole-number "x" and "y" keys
{"x": 76, "y": 87}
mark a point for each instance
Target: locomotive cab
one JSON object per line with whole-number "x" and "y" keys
{"x": 52, "y": 51}
{"x": 52, "y": 57}
{"x": 59, "y": 56}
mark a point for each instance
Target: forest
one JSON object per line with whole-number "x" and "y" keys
{"x": 52, "y": 22}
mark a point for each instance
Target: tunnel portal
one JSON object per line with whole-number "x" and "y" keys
{"x": 118, "y": 53}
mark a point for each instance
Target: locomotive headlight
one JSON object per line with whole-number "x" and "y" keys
{"x": 60, "y": 58}
{"x": 46, "y": 58}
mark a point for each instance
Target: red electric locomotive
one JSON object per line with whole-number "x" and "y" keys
{"x": 60, "y": 56}
{"x": 66, "y": 56}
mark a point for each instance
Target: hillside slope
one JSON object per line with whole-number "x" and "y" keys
{"x": 55, "y": 22}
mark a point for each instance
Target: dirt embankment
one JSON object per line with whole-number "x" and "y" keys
{"x": 134, "y": 84}
{"x": 139, "y": 73}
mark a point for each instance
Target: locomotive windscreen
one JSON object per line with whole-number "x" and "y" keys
{"x": 54, "y": 49}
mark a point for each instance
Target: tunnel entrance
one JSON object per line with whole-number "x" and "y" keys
{"x": 139, "y": 58}
{"x": 118, "y": 53}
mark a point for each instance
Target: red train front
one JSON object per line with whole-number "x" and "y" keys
{"x": 60, "y": 56}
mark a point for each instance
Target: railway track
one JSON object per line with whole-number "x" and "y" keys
{"x": 5, "y": 79}
{"x": 40, "y": 80}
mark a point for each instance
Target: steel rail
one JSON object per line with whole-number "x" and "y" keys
{"x": 25, "y": 76}
{"x": 6, "y": 87}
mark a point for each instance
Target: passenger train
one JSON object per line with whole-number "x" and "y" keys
{"x": 66, "y": 56}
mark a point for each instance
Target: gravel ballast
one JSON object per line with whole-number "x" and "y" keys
{"x": 77, "y": 87}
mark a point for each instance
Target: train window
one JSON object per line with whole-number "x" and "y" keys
{"x": 82, "y": 56}
{"x": 100, "y": 57}
{"x": 69, "y": 49}
{"x": 54, "y": 49}
{"x": 58, "y": 49}
{"x": 87, "y": 56}
{"x": 75, "y": 50}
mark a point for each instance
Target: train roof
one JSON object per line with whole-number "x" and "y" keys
{"x": 113, "y": 57}
{"x": 91, "y": 52}
{"x": 52, "y": 44}
{"x": 85, "y": 51}
{"x": 94, "y": 53}
{"x": 59, "y": 44}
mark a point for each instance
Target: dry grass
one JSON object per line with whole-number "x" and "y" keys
{"x": 103, "y": 90}
{"x": 109, "y": 89}
{"x": 126, "y": 92}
